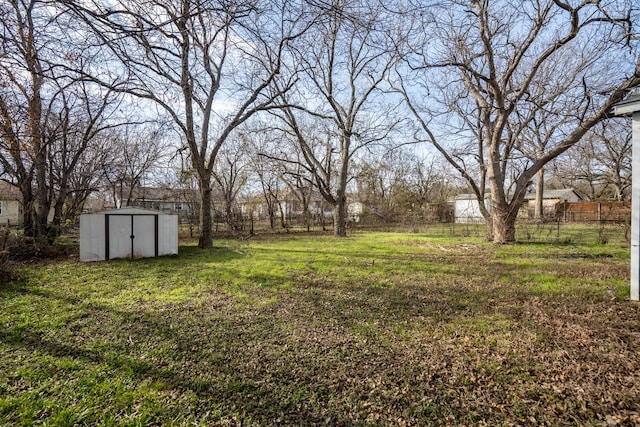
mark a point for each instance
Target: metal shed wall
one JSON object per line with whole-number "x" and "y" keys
{"x": 126, "y": 233}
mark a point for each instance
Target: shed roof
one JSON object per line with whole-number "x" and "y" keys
{"x": 470, "y": 196}
{"x": 131, "y": 211}
{"x": 162, "y": 194}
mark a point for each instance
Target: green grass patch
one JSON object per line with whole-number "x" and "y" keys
{"x": 374, "y": 329}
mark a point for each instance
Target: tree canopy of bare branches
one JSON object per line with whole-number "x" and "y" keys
{"x": 599, "y": 167}
{"x": 207, "y": 64}
{"x": 499, "y": 88}
{"x": 337, "y": 109}
{"x": 480, "y": 74}
{"x": 48, "y": 119}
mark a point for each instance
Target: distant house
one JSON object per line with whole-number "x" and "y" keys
{"x": 467, "y": 209}
{"x": 169, "y": 200}
{"x": 10, "y": 204}
{"x": 291, "y": 207}
{"x": 550, "y": 198}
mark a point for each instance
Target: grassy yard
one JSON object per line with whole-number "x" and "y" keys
{"x": 377, "y": 329}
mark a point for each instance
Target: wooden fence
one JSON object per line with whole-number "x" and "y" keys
{"x": 593, "y": 211}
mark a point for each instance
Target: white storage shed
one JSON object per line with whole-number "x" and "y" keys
{"x": 127, "y": 233}
{"x": 467, "y": 209}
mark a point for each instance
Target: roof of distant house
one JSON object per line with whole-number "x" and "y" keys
{"x": 162, "y": 194}
{"x": 561, "y": 194}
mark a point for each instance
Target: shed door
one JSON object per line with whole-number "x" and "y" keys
{"x": 121, "y": 230}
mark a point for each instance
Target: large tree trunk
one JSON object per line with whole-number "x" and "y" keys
{"x": 340, "y": 208}
{"x": 272, "y": 216}
{"x": 503, "y": 215}
{"x": 56, "y": 223}
{"x": 539, "y": 208}
{"x": 28, "y": 203}
{"x": 40, "y": 159}
{"x": 340, "y": 218}
{"x": 205, "y": 240}
{"x": 283, "y": 219}
{"x": 503, "y": 225}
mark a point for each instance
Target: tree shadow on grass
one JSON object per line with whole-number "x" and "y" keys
{"x": 290, "y": 363}
{"x": 444, "y": 352}
{"x": 216, "y": 358}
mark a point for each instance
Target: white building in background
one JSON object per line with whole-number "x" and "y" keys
{"x": 466, "y": 208}
{"x": 10, "y": 204}
{"x": 550, "y": 198}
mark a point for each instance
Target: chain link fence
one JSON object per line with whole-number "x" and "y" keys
{"x": 577, "y": 222}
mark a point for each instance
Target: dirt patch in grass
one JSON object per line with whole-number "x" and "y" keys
{"x": 475, "y": 343}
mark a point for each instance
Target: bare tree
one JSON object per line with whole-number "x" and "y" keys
{"x": 21, "y": 86}
{"x": 615, "y": 142}
{"x": 264, "y": 157}
{"x": 186, "y": 185}
{"x": 86, "y": 178}
{"x": 135, "y": 151}
{"x": 48, "y": 119}
{"x": 278, "y": 164}
{"x": 300, "y": 185}
{"x": 230, "y": 174}
{"x": 207, "y": 64}
{"x": 73, "y": 122}
{"x": 398, "y": 182}
{"x": 599, "y": 167}
{"x": 488, "y": 69}
{"x": 345, "y": 62}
